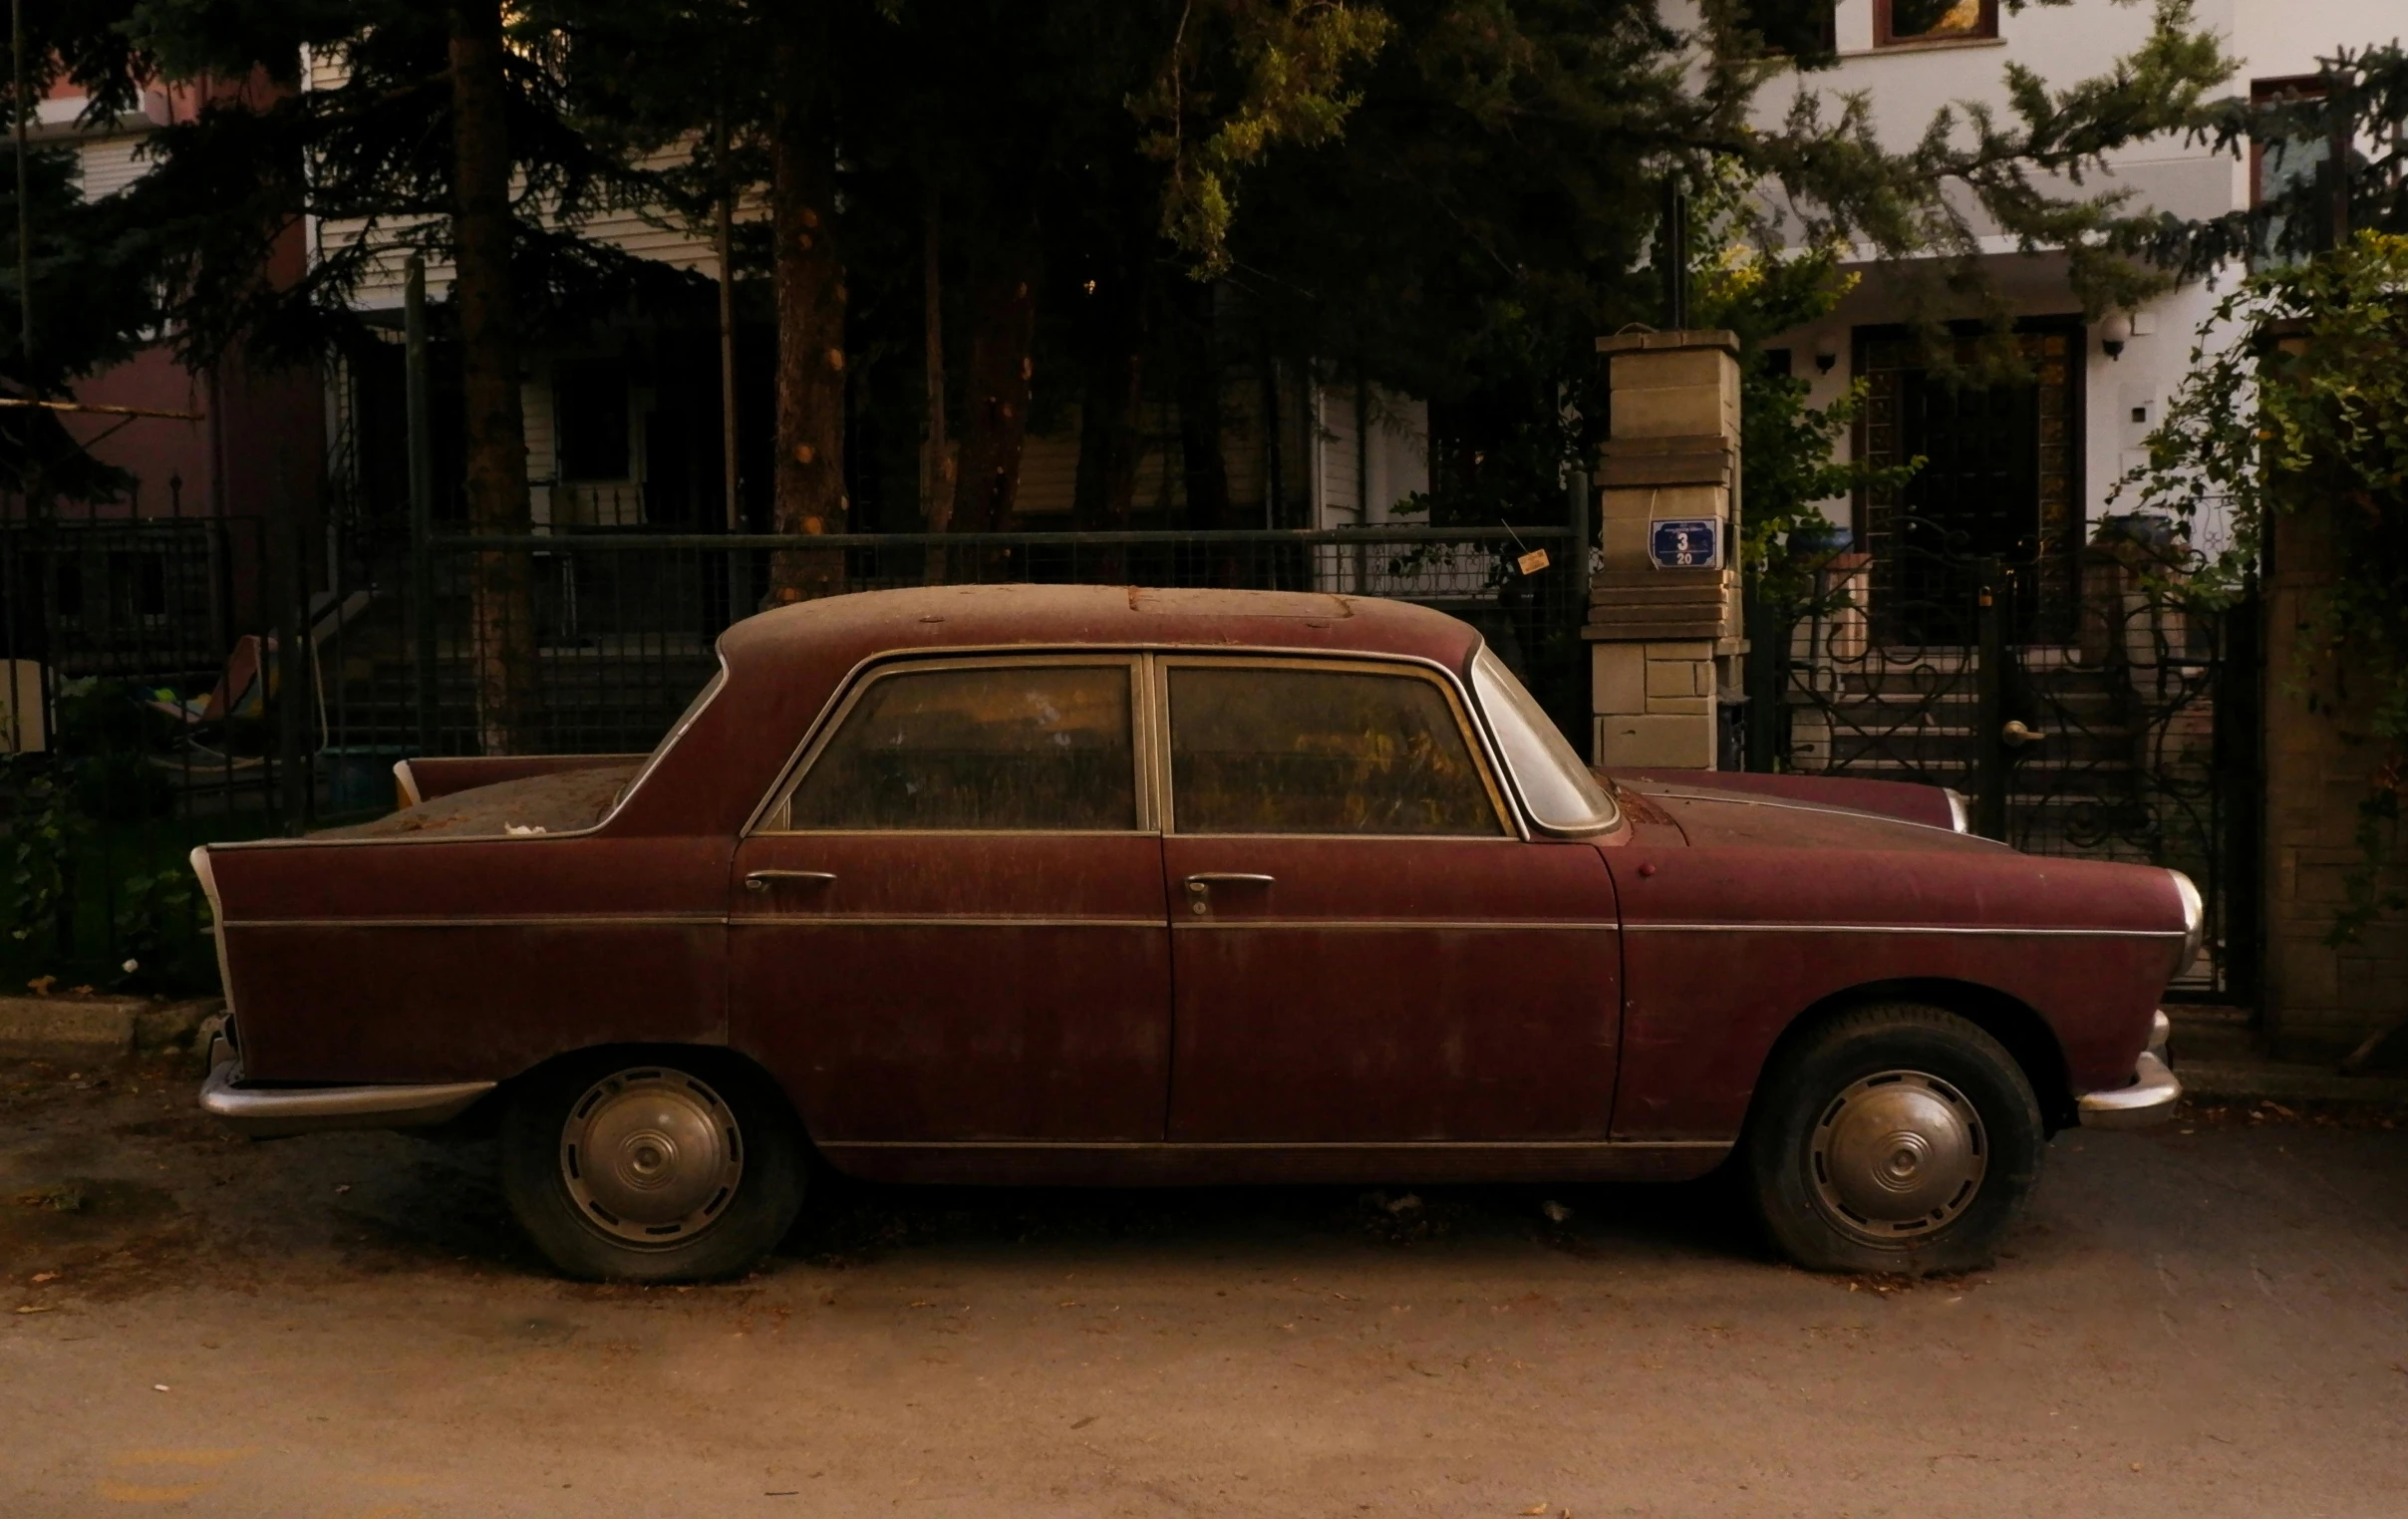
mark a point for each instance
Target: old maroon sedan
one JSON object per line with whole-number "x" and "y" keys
{"x": 1124, "y": 886}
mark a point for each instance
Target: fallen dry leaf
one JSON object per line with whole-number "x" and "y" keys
{"x": 32, "y": 1308}
{"x": 1536, "y": 1508}
{"x": 47, "y": 1276}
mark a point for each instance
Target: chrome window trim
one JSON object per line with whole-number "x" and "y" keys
{"x": 1614, "y": 818}
{"x": 769, "y": 818}
{"x": 823, "y": 721}
{"x": 1474, "y": 734}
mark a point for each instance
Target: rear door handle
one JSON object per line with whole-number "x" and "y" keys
{"x": 763, "y": 880}
{"x": 1200, "y": 885}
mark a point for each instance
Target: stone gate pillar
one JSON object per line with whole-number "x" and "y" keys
{"x": 1664, "y": 611}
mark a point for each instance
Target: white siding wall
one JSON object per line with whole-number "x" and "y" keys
{"x": 1392, "y": 462}
{"x": 2063, "y": 44}
{"x": 105, "y": 166}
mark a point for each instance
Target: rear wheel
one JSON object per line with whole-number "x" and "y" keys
{"x": 1898, "y": 1139}
{"x": 676, "y": 1169}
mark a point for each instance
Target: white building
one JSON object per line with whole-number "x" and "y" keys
{"x": 2029, "y": 469}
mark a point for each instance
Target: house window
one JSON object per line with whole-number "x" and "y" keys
{"x": 1898, "y": 23}
{"x": 1807, "y": 32}
{"x": 2289, "y": 168}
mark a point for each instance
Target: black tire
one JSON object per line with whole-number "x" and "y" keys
{"x": 1894, "y": 1139}
{"x": 652, "y": 1165}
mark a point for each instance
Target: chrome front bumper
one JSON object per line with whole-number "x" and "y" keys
{"x": 269, "y": 1111}
{"x": 2149, "y": 1099}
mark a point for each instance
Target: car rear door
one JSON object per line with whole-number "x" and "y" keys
{"x": 951, "y": 927}
{"x": 1365, "y": 949}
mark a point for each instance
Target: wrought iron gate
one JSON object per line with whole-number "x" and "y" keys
{"x": 2123, "y": 732}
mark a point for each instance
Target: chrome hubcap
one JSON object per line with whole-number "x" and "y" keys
{"x": 1895, "y": 1155}
{"x": 651, "y": 1156}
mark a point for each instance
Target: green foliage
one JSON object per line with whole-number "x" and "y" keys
{"x": 1788, "y": 455}
{"x": 2025, "y": 172}
{"x": 44, "y": 831}
{"x": 2297, "y": 402}
{"x": 2356, "y": 98}
{"x": 1282, "y": 67}
{"x": 156, "y": 914}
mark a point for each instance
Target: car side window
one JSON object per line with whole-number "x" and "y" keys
{"x": 1294, "y": 749}
{"x": 1036, "y": 747}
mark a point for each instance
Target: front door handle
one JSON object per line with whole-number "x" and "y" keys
{"x": 1200, "y": 885}
{"x": 2016, "y": 734}
{"x": 763, "y": 880}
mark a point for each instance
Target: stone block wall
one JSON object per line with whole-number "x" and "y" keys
{"x": 2322, "y": 1000}
{"x": 1655, "y": 702}
{"x": 1661, "y": 641}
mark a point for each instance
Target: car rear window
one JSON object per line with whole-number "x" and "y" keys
{"x": 1292, "y": 750}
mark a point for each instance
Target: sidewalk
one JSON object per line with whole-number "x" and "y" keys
{"x": 2218, "y": 1057}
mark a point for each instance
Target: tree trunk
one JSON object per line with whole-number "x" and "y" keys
{"x": 1002, "y": 329}
{"x": 503, "y": 612}
{"x": 809, "y": 285}
{"x": 936, "y": 452}
{"x": 1199, "y": 379}
{"x": 1111, "y": 402}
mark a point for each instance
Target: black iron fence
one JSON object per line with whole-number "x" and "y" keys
{"x": 139, "y": 717}
{"x": 2119, "y": 725}
{"x": 173, "y": 683}
{"x": 201, "y": 680}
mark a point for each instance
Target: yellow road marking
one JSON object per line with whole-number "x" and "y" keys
{"x": 129, "y": 1492}
{"x": 192, "y": 1455}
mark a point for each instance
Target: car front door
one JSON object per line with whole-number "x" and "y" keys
{"x": 949, "y": 927}
{"x": 1364, "y": 947}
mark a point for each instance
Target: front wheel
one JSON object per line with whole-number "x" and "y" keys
{"x": 626, "y": 1169}
{"x": 1896, "y": 1139}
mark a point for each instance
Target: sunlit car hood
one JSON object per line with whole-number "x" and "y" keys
{"x": 1710, "y": 817}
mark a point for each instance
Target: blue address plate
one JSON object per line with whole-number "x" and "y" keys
{"x": 1685, "y": 542}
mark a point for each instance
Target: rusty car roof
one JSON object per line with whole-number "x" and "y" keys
{"x": 876, "y": 622}
{"x": 783, "y": 665}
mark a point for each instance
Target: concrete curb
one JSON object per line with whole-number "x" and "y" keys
{"x": 99, "y": 1031}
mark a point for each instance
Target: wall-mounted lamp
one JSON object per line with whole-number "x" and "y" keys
{"x": 2114, "y": 333}
{"x": 1826, "y": 353}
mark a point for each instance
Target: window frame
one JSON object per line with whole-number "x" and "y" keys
{"x": 1474, "y": 732}
{"x": 1885, "y": 39}
{"x": 775, "y": 817}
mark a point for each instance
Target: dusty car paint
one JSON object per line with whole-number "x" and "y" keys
{"x": 1066, "y": 1007}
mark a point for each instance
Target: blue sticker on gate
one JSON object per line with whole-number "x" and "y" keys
{"x": 1686, "y": 543}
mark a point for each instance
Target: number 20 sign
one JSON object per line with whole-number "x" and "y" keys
{"x": 1685, "y": 542}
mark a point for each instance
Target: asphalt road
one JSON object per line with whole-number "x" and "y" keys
{"x": 2203, "y": 1321}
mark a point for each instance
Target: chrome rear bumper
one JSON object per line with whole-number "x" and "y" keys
{"x": 2149, "y": 1099}
{"x": 268, "y": 1112}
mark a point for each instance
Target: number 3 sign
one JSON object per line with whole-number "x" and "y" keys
{"x": 1686, "y": 543}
